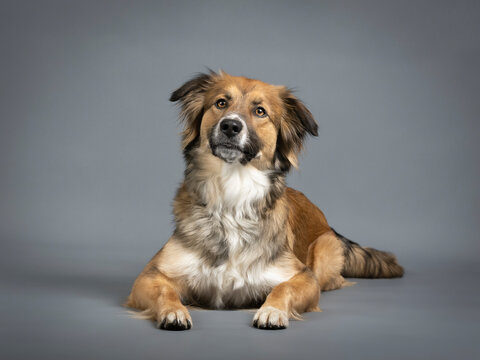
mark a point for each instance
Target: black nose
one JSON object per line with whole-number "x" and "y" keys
{"x": 231, "y": 127}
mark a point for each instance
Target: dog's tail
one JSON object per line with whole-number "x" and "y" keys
{"x": 363, "y": 262}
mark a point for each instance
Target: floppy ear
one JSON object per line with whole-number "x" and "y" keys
{"x": 191, "y": 98}
{"x": 297, "y": 121}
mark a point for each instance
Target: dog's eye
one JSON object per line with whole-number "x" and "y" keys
{"x": 260, "y": 111}
{"x": 221, "y": 104}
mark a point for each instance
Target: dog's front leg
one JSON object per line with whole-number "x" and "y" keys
{"x": 158, "y": 296}
{"x": 288, "y": 299}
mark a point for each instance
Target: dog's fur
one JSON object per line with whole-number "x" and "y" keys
{"x": 242, "y": 238}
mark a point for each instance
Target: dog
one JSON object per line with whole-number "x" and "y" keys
{"x": 242, "y": 238}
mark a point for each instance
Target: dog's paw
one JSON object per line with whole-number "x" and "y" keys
{"x": 176, "y": 320}
{"x": 270, "y": 318}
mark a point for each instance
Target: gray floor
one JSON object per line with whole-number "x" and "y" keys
{"x": 70, "y": 308}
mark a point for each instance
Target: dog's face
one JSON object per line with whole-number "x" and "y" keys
{"x": 242, "y": 120}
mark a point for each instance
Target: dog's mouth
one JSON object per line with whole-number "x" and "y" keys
{"x": 229, "y": 152}
{"x": 240, "y": 148}
{"x": 229, "y": 146}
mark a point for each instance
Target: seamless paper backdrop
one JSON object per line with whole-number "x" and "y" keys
{"x": 90, "y": 156}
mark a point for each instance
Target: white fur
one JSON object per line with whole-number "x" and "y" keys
{"x": 241, "y": 186}
{"x": 238, "y": 280}
{"x": 244, "y": 275}
{"x": 270, "y": 316}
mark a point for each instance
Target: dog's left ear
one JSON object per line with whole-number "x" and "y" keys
{"x": 296, "y": 123}
{"x": 191, "y": 98}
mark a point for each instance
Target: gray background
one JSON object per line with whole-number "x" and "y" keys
{"x": 90, "y": 160}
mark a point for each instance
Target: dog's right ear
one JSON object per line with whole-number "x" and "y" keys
{"x": 191, "y": 98}
{"x": 297, "y": 122}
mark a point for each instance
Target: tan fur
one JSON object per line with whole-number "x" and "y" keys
{"x": 159, "y": 296}
{"x": 242, "y": 237}
{"x": 364, "y": 262}
{"x": 325, "y": 258}
{"x": 306, "y": 221}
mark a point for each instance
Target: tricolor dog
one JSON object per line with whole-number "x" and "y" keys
{"x": 242, "y": 238}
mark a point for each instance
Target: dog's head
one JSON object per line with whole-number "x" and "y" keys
{"x": 243, "y": 120}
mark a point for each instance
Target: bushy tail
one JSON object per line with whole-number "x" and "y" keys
{"x": 363, "y": 262}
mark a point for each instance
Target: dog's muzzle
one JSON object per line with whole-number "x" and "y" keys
{"x": 231, "y": 141}
{"x": 231, "y": 127}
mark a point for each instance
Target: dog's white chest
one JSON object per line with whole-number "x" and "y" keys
{"x": 233, "y": 209}
{"x": 234, "y": 283}
{"x": 225, "y": 263}
{"x": 241, "y": 186}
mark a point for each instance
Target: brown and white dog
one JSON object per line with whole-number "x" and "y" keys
{"x": 243, "y": 238}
